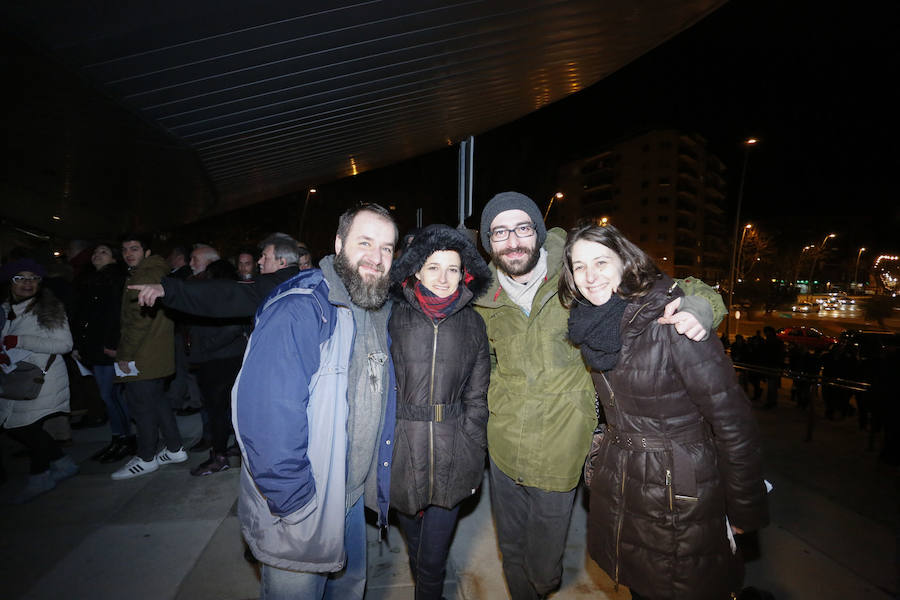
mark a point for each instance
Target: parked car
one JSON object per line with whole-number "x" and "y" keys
{"x": 805, "y": 307}
{"x": 808, "y": 337}
{"x": 870, "y": 343}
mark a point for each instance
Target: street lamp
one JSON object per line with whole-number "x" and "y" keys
{"x": 812, "y": 267}
{"x": 748, "y": 143}
{"x": 799, "y": 260}
{"x": 556, "y": 196}
{"x": 747, "y": 228}
{"x": 856, "y": 268}
{"x": 303, "y": 214}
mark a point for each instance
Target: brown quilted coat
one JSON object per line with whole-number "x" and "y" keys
{"x": 682, "y": 451}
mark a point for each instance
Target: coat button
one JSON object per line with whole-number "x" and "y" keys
{"x": 385, "y": 463}
{"x": 388, "y": 442}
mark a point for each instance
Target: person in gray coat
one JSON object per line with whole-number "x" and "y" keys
{"x": 440, "y": 352}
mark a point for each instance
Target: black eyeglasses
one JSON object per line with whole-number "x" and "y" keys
{"x": 23, "y": 278}
{"x": 524, "y": 230}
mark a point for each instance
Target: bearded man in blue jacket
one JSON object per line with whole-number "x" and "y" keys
{"x": 313, "y": 410}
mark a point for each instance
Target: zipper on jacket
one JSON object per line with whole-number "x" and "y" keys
{"x": 431, "y": 421}
{"x": 612, "y": 394}
{"x": 621, "y": 520}
{"x": 669, "y": 487}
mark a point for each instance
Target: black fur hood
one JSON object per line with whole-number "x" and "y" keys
{"x": 432, "y": 239}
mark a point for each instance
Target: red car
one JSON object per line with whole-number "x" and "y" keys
{"x": 806, "y": 336}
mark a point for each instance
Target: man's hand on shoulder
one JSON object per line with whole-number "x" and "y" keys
{"x": 148, "y": 293}
{"x": 685, "y": 323}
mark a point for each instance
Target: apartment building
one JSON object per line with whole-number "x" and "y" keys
{"x": 663, "y": 190}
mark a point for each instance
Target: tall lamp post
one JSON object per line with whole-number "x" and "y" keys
{"x": 303, "y": 214}
{"x": 744, "y": 231}
{"x": 797, "y": 268}
{"x": 815, "y": 257}
{"x": 748, "y": 143}
{"x": 556, "y": 196}
{"x": 856, "y": 268}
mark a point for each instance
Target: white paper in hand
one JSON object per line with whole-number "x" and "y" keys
{"x": 121, "y": 373}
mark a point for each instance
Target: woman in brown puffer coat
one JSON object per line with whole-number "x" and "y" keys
{"x": 440, "y": 351}
{"x": 677, "y": 471}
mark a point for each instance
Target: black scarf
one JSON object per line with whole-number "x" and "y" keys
{"x": 596, "y": 330}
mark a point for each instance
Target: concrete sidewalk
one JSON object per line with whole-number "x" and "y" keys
{"x": 172, "y": 536}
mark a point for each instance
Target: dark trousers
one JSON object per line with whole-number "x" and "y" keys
{"x": 428, "y": 536}
{"x": 216, "y": 378}
{"x": 532, "y": 525}
{"x": 184, "y": 391}
{"x": 152, "y": 414}
{"x": 42, "y": 449}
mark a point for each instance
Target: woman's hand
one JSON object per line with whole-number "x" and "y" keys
{"x": 109, "y": 352}
{"x": 736, "y": 530}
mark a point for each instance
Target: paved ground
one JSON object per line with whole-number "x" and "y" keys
{"x": 172, "y": 536}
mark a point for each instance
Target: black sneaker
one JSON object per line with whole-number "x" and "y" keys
{"x": 126, "y": 446}
{"x": 99, "y": 454}
{"x": 214, "y": 464}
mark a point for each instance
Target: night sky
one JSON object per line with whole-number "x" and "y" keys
{"x": 815, "y": 82}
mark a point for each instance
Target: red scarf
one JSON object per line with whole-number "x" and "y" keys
{"x": 433, "y": 306}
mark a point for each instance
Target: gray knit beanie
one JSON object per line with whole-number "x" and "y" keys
{"x": 510, "y": 201}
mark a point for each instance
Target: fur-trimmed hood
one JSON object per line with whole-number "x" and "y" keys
{"x": 435, "y": 238}
{"x": 50, "y": 312}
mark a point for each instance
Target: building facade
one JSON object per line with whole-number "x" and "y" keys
{"x": 664, "y": 191}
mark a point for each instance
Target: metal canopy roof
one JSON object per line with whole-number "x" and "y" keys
{"x": 235, "y": 102}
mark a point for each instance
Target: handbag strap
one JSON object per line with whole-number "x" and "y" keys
{"x": 49, "y": 362}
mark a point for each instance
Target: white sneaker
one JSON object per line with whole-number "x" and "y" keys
{"x": 135, "y": 468}
{"x": 167, "y": 457}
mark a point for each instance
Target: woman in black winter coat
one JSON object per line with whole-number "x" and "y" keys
{"x": 95, "y": 332}
{"x": 440, "y": 351}
{"x": 677, "y": 471}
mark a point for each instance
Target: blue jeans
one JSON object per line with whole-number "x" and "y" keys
{"x": 428, "y": 536}
{"x": 111, "y": 393}
{"x": 349, "y": 584}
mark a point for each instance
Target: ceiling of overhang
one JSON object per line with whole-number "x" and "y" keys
{"x": 158, "y": 113}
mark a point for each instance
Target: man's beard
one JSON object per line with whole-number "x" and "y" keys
{"x": 369, "y": 295}
{"x": 519, "y": 267}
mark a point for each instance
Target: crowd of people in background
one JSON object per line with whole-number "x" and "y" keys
{"x": 114, "y": 362}
{"x": 389, "y": 377}
{"x": 852, "y": 381}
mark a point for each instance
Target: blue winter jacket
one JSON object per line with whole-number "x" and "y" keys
{"x": 289, "y": 406}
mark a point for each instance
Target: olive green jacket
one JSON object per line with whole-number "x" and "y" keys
{"x": 147, "y": 334}
{"x": 541, "y": 397}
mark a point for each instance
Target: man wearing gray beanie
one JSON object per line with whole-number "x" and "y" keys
{"x": 541, "y": 397}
